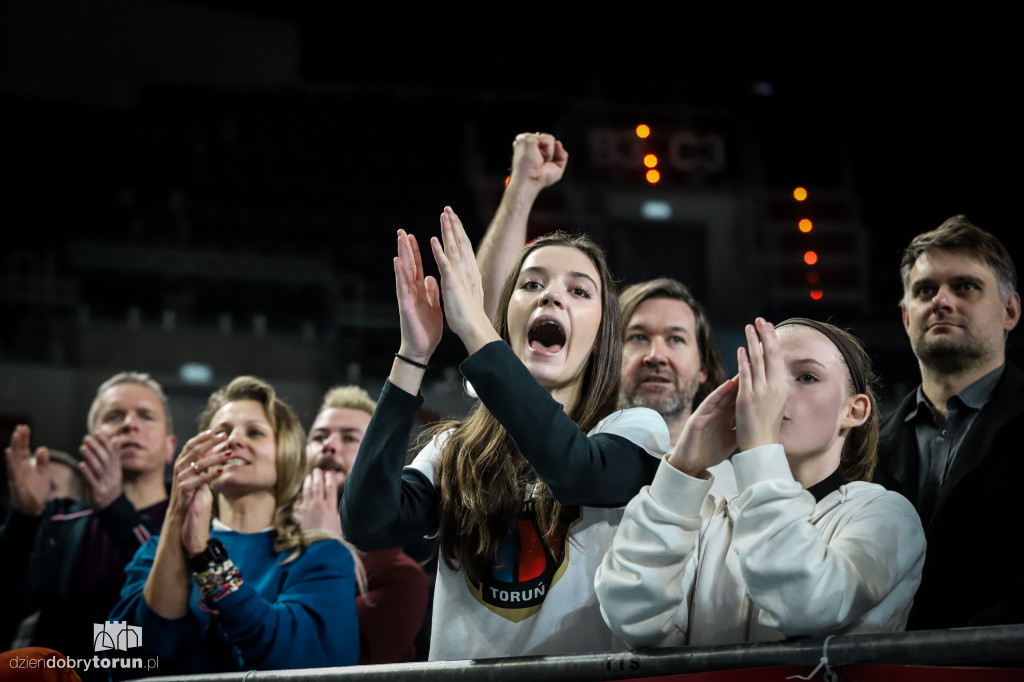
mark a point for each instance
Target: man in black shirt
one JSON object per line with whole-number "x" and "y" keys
{"x": 65, "y": 558}
{"x": 953, "y": 445}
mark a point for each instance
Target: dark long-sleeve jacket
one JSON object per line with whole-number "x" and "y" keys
{"x": 971, "y": 575}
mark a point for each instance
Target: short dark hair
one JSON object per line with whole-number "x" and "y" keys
{"x": 664, "y": 287}
{"x": 960, "y": 233}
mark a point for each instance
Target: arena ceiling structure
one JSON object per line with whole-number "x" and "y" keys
{"x": 212, "y": 164}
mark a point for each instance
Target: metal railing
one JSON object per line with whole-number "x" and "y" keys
{"x": 1001, "y": 646}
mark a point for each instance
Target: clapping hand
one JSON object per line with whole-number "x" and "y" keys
{"x": 191, "y": 502}
{"x": 708, "y": 437}
{"x": 744, "y": 412}
{"x": 461, "y": 287}
{"x": 27, "y": 475}
{"x": 419, "y": 305}
{"x": 763, "y": 388}
{"x": 101, "y": 469}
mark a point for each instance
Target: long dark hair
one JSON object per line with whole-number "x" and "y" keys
{"x": 482, "y": 478}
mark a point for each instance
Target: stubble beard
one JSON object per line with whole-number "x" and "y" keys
{"x": 337, "y": 472}
{"x": 670, "y": 403}
{"x": 951, "y": 356}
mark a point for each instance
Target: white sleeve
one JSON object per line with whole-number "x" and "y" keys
{"x": 426, "y": 459}
{"x": 640, "y": 425}
{"x": 644, "y": 581}
{"x": 804, "y": 583}
{"x": 723, "y": 479}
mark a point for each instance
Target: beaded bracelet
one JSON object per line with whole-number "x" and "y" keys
{"x": 219, "y": 580}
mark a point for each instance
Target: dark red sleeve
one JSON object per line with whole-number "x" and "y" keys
{"x": 392, "y": 610}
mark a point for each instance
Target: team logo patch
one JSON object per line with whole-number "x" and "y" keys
{"x": 526, "y": 569}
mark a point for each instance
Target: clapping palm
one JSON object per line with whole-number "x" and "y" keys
{"x": 419, "y": 304}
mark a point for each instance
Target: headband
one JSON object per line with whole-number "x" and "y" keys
{"x": 847, "y": 348}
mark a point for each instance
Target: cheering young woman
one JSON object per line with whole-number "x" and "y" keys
{"x": 523, "y": 494}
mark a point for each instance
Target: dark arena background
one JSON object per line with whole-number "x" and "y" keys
{"x": 200, "y": 190}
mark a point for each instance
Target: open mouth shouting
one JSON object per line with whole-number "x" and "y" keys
{"x": 546, "y": 336}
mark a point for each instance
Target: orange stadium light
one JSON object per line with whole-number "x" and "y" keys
{"x": 650, "y": 160}
{"x": 805, "y": 225}
{"x": 800, "y": 194}
{"x": 810, "y": 257}
{"x": 816, "y": 294}
{"x": 643, "y": 131}
{"x": 653, "y": 176}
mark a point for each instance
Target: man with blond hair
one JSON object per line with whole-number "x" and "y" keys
{"x": 392, "y": 610}
{"x": 65, "y": 558}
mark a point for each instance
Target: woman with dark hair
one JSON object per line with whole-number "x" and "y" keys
{"x": 523, "y": 494}
{"x": 808, "y": 547}
{"x": 233, "y": 582}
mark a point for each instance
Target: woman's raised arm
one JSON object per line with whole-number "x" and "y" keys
{"x": 419, "y": 310}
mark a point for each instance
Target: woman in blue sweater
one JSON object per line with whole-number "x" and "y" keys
{"x": 232, "y": 582}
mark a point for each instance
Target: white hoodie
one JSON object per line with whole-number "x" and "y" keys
{"x": 686, "y": 567}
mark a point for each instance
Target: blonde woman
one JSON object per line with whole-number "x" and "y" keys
{"x": 232, "y": 582}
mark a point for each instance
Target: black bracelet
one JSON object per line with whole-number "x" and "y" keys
{"x": 215, "y": 553}
{"x": 411, "y": 362}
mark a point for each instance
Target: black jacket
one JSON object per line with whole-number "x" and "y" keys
{"x": 971, "y": 576}
{"x": 42, "y": 563}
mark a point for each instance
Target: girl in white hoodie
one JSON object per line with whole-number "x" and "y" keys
{"x": 808, "y": 546}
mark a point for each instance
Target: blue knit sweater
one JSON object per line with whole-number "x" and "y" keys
{"x": 300, "y": 614}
